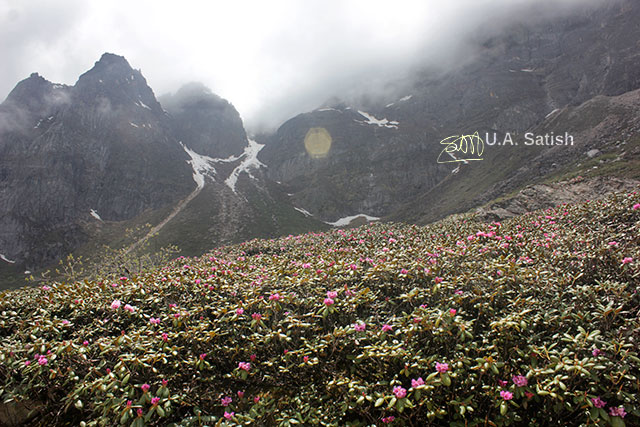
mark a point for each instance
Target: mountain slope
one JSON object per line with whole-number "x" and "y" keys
{"x": 383, "y": 160}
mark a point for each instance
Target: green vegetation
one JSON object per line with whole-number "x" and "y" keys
{"x": 530, "y": 322}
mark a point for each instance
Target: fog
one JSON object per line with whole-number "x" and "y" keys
{"x": 271, "y": 59}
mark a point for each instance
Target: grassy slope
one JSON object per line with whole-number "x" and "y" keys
{"x": 533, "y": 297}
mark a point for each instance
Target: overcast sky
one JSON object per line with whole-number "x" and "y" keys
{"x": 270, "y": 58}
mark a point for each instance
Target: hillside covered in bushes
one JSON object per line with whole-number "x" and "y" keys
{"x": 533, "y": 321}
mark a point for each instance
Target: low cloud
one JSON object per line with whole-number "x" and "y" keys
{"x": 272, "y": 59}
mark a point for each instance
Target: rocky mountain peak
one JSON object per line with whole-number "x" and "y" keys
{"x": 207, "y": 123}
{"x": 114, "y": 79}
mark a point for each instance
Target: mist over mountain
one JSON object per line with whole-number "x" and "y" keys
{"x": 79, "y": 164}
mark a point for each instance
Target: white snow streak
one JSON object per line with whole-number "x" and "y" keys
{"x": 379, "y": 122}
{"x": 134, "y": 125}
{"x": 303, "y": 211}
{"x": 143, "y": 105}
{"x": 95, "y": 215}
{"x": 5, "y": 259}
{"x": 552, "y": 113}
{"x": 249, "y": 162}
{"x": 405, "y": 98}
{"x": 347, "y": 220}
{"x": 201, "y": 166}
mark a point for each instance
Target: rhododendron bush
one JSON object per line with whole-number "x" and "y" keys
{"x": 531, "y": 321}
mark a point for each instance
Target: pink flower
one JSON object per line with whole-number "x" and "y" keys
{"x": 458, "y": 292}
{"x": 597, "y": 402}
{"x": 613, "y": 243}
{"x": 332, "y": 294}
{"x": 115, "y": 304}
{"x": 519, "y": 380}
{"x": 155, "y": 400}
{"x": 256, "y": 399}
{"x": 305, "y": 358}
{"x": 389, "y": 419}
{"x": 154, "y": 321}
{"x": 229, "y": 415}
{"x": 627, "y": 260}
{"x": 85, "y": 343}
{"x": 240, "y": 311}
{"x": 596, "y": 352}
{"x": 245, "y": 366}
{"x": 442, "y": 367}
{"x": 164, "y": 383}
{"x": 636, "y": 206}
{"x": 528, "y": 394}
{"x": 617, "y": 412}
{"x": 203, "y": 355}
{"x": 438, "y": 279}
{"x": 399, "y": 392}
{"x": 387, "y": 328}
{"x": 417, "y": 383}
{"x": 252, "y": 357}
{"x": 256, "y": 316}
{"x": 27, "y": 363}
{"x": 165, "y": 337}
{"x": 506, "y": 395}
{"x": 404, "y": 271}
{"x": 140, "y": 412}
{"x": 145, "y": 387}
{"x": 46, "y": 288}
{"x": 359, "y": 327}
{"x": 274, "y": 297}
{"x": 129, "y": 403}
{"x": 129, "y": 308}
{"x": 240, "y": 394}
{"x": 328, "y": 301}
{"x": 453, "y": 311}
{"x": 226, "y": 401}
{"x": 42, "y": 360}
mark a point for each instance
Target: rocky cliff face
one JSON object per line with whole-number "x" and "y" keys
{"x": 211, "y": 124}
{"x": 385, "y": 159}
{"x": 101, "y": 146}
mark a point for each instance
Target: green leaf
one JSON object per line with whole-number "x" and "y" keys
{"x": 446, "y": 380}
{"x": 503, "y": 408}
{"x": 379, "y": 402}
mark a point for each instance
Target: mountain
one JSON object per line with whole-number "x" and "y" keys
{"x": 81, "y": 164}
{"x": 550, "y": 75}
{"x": 100, "y": 148}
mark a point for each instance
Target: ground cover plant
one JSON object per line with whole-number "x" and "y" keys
{"x": 533, "y": 321}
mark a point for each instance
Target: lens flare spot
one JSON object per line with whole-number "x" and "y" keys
{"x": 317, "y": 142}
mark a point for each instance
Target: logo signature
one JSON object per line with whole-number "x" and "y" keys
{"x": 461, "y": 148}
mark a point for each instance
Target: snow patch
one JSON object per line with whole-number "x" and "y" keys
{"x": 527, "y": 70}
{"x": 134, "y": 125}
{"x": 390, "y": 105}
{"x": 405, "y": 98}
{"x": 453, "y": 156}
{"x": 552, "y": 113}
{"x": 249, "y": 162}
{"x": 27, "y": 272}
{"x": 327, "y": 109}
{"x": 303, "y": 211}
{"x": 371, "y": 120}
{"x": 143, "y": 105}
{"x": 57, "y": 86}
{"x": 347, "y": 220}
{"x": 95, "y": 215}
{"x": 5, "y": 259}
{"x": 201, "y": 166}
